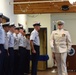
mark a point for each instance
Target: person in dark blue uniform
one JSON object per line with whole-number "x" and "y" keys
{"x": 11, "y": 49}
{"x": 27, "y": 55}
{"x": 2, "y": 41}
{"x": 35, "y": 47}
{"x": 6, "y": 29}
{"x": 16, "y": 50}
{"x": 22, "y": 50}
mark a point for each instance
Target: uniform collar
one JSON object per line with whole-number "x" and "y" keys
{"x": 60, "y": 29}
{"x": 36, "y": 30}
{"x": 10, "y": 32}
{"x": 0, "y": 24}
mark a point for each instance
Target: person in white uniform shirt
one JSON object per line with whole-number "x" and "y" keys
{"x": 16, "y": 50}
{"x": 60, "y": 44}
{"x": 11, "y": 48}
{"x": 21, "y": 50}
{"x": 6, "y": 29}
{"x": 2, "y": 41}
{"x": 27, "y": 57}
{"x": 35, "y": 47}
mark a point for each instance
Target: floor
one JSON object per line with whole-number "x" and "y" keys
{"x": 48, "y": 72}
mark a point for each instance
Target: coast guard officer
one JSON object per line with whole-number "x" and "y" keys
{"x": 2, "y": 41}
{"x": 27, "y": 57}
{"x": 35, "y": 47}
{"x": 6, "y": 29}
{"x": 16, "y": 50}
{"x": 60, "y": 45}
{"x": 22, "y": 50}
{"x": 11, "y": 48}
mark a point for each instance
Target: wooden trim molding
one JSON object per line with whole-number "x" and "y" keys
{"x": 40, "y": 8}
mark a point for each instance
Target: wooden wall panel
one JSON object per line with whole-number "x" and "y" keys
{"x": 39, "y": 8}
{"x": 71, "y": 63}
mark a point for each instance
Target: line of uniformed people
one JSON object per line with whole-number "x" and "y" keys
{"x": 14, "y": 49}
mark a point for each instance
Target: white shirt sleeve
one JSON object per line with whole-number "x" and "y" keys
{"x": 68, "y": 40}
{"x": 52, "y": 41}
{"x": 33, "y": 35}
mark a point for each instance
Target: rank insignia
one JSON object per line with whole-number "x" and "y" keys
{"x": 56, "y": 34}
{"x": 63, "y": 35}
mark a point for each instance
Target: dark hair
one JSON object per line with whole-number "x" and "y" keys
{"x": 24, "y": 31}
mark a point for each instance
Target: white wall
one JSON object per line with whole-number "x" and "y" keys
{"x": 22, "y": 19}
{"x": 70, "y": 23}
{"x": 45, "y": 21}
{"x": 7, "y": 9}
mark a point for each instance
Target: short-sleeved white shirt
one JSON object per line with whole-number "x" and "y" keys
{"x": 35, "y": 37}
{"x": 6, "y": 41}
{"x": 11, "y": 39}
{"x": 22, "y": 39}
{"x": 28, "y": 47}
{"x": 16, "y": 41}
{"x": 2, "y": 35}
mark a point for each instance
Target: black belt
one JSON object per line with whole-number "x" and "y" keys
{"x": 1, "y": 44}
{"x": 22, "y": 47}
{"x": 36, "y": 45}
{"x": 6, "y": 49}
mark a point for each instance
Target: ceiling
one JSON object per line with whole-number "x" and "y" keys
{"x": 38, "y": 0}
{"x": 42, "y": 6}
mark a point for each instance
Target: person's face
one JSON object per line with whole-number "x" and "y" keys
{"x": 0, "y": 20}
{"x": 37, "y": 27}
{"x": 16, "y": 31}
{"x": 60, "y": 26}
{"x": 21, "y": 30}
{"x": 28, "y": 36}
{"x": 6, "y": 29}
{"x": 24, "y": 33}
{"x": 12, "y": 29}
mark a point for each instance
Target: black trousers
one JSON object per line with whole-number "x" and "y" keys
{"x": 35, "y": 57}
{"x": 11, "y": 61}
{"x": 27, "y": 62}
{"x": 22, "y": 52}
{"x": 16, "y": 61}
{"x": 2, "y": 55}
{"x": 5, "y": 69}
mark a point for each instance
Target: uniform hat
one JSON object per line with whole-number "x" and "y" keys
{"x": 27, "y": 34}
{"x": 6, "y": 24}
{"x": 37, "y": 24}
{"x": 12, "y": 25}
{"x": 60, "y": 22}
{"x": 20, "y": 26}
{"x": 1, "y": 15}
{"x": 17, "y": 28}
